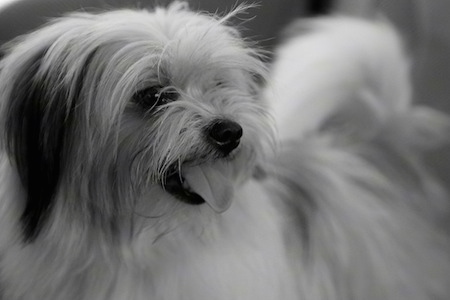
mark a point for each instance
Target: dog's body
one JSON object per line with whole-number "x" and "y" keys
{"x": 117, "y": 127}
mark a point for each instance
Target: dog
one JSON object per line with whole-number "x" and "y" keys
{"x": 155, "y": 155}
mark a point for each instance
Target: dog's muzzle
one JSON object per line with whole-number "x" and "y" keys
{"x": 210, "y": 182}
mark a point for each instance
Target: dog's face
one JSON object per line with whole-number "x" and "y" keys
{"x": 105, "y": 112}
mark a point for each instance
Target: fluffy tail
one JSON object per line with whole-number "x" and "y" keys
{"x": 350, "y": 169}
{"x": 348, "y": 80}
{"x": 349, "y": 76}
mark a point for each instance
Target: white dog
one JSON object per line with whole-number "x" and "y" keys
{"x": 139, "y": 162}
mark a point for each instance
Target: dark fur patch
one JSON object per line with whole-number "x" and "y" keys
{"x": 38, "y": 126}
{"x": 34, "y": 137}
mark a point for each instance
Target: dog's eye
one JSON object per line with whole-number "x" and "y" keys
{"x": 219, "y": 83}
{"x": 154, "y": 96}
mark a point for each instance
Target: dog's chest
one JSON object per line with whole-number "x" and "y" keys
{"x": 241, "y": 256}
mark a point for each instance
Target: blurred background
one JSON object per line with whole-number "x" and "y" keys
{"x": 425, "y": 24}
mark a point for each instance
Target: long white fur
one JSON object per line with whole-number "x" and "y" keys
{"x": 344, "y": 209}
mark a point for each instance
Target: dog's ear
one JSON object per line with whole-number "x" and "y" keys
{"x": 38, "y": 117}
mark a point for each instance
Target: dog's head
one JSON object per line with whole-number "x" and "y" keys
{"x": 100, "y": 110}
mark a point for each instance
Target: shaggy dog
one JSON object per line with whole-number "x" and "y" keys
{"x": 139, "y": 161}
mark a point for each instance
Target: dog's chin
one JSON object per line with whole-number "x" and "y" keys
{"x": 208, "y": 182}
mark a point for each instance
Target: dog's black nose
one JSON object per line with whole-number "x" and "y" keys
{"x": 225, "y": 135}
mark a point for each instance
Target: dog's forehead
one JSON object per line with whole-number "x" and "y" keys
{"x": 178, "y": 42}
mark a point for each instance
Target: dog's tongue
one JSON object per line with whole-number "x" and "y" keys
{"x": 213, "y": 182}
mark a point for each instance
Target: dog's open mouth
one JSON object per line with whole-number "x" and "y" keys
{"x": 210, "y": 183}
{"x": 176, "y": 185}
